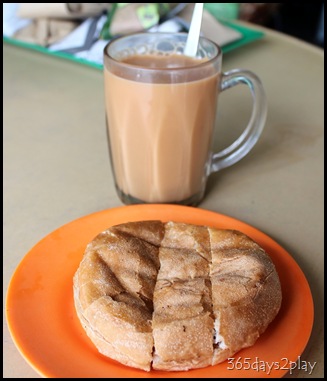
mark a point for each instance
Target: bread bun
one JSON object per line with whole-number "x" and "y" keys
{"x": 174, "y": 296}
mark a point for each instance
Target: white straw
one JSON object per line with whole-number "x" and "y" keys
{"x": 192, "y": 42}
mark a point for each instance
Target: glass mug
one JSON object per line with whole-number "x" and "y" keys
{"x": 161, "y": 109}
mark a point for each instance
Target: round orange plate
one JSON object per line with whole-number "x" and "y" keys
{"x": 43, "y": 324}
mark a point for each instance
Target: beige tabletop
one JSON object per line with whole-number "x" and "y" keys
{"x": 56, "y": 165}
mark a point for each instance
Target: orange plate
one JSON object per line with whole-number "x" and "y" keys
{"x": 46, "y": 330}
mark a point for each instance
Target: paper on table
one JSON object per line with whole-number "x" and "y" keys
{"x": 82, "y": 38}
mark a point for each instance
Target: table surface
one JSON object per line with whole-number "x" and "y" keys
{"x": 56, "y": 164}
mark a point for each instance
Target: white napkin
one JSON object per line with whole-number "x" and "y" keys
{"x": 11, "y": 22}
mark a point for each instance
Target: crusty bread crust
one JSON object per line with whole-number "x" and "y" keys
{"x": 174, "y": 296}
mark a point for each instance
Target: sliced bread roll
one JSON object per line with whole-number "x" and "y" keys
{"x": 174, "y": 296}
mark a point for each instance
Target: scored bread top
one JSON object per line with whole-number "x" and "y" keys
{"x": 174, "y": 296}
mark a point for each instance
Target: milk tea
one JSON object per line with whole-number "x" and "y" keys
{"x": 160, "y": 129}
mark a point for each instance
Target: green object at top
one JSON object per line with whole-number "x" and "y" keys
{"x": 227, "y": 11}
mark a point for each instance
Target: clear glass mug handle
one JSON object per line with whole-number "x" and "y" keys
{"x": 246, "y": 141}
